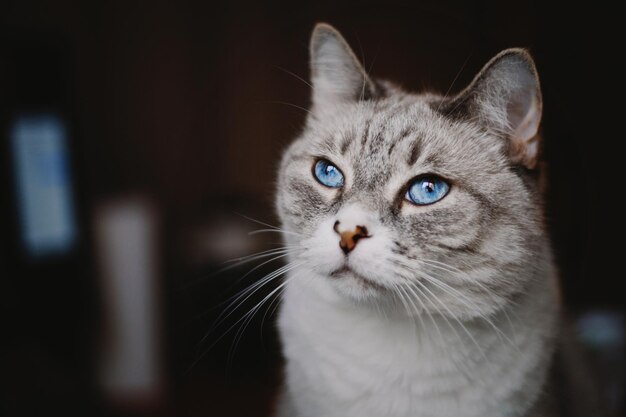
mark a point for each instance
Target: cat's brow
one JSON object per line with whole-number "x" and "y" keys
{"x": 347, "y": 139}
{"x": 366, "y": 131}
{"x": 414, "y": 153}
{"x": 405, "y": 133}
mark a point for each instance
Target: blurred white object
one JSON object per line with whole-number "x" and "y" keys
{"x": 220, "y": 238}
{"x": 127, "y": 246}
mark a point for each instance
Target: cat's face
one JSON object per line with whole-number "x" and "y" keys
{"x": 415, "y": 200}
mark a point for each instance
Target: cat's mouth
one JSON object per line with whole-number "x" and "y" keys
{"x": 346, "y": 272}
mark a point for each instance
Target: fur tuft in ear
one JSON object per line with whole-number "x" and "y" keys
{"x": 336, "y": 74}
{"x": 505, "y": 97}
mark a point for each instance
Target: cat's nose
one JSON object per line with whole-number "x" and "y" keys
{"x": 349, "y": 238}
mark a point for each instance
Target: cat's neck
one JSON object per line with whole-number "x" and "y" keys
{"x": 480, "y": 363}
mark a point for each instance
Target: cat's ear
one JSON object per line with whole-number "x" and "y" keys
{"x": 336, "y": 74}
{"x": 506, "y": 97}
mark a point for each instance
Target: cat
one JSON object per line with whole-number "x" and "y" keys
{"x": 421, "y": 279}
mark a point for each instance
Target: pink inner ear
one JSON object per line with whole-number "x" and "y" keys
{"x": 526, "y": 123}
{"x": 525, "y": 117}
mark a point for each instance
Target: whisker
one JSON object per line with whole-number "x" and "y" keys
{"x": 287, "y": 232}
{"x": 449, "y": 268}
{"x": 464, "y": 370}
{"x": 275, "y": 302}
{"x": 247, "y": 293}
{"x": 432, "y": 319}
{"x": 254, "y": 256}
{"x": 294, "y": 75}
{"x": 501, "y": 334}
{"x": 417, "y": 313}
{"x": 256, "y": 221}
{"x": 290, "y": 105}
{"x": 280, "y": 255}
{"x": 250, "y": 315}
{"x": 195, "y": 362}
{"x": 237, "y": 262}
{"x": 402, "y": 300}
{"x": 454, "y": 81}
{"x": 460, "y": 323}
{"x": 463, "y": 299}
{"x": 459, "y": 297}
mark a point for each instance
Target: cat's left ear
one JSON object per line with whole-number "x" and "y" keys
{"x": 506, "y": 97}
{"x": 337, "y": 75}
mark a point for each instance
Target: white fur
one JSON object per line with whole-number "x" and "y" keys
{"x": 352, "y": 361}
{"x": 345, "y": 357}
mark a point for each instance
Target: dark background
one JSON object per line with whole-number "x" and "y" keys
{"x": 187, "y": 105}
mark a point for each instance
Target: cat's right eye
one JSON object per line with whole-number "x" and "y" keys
{"x": 328, "y": 174}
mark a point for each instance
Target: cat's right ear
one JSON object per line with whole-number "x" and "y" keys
{"x": 337, "y": 76}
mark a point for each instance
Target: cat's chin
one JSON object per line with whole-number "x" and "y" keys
{"x": 354, "y": 285}
{"x": 347, "y": 273}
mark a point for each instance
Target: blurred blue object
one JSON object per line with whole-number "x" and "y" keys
{"x": 602, "y": 329}
{"x": 603, "y": 333}
{"x": 44, "y": 191}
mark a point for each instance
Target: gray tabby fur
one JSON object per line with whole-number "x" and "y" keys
{"x": 449, "y": 309}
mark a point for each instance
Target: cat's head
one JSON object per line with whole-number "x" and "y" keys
{"x": 416, "y": 199}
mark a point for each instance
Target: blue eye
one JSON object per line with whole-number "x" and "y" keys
{"x": 427, "y": 190}
{"x": 328, "y": 174}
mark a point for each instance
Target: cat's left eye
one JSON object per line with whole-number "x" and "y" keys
{"x": 328, "y": 174}
{"x": 427, "y": 190}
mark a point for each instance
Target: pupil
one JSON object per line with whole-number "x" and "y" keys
{"x": 429, "y": 187}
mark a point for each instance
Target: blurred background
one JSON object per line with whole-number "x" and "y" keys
{"x": 139, "y": 143}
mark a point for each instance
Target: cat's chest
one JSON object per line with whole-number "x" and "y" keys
{"x": 345, "y": 364}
